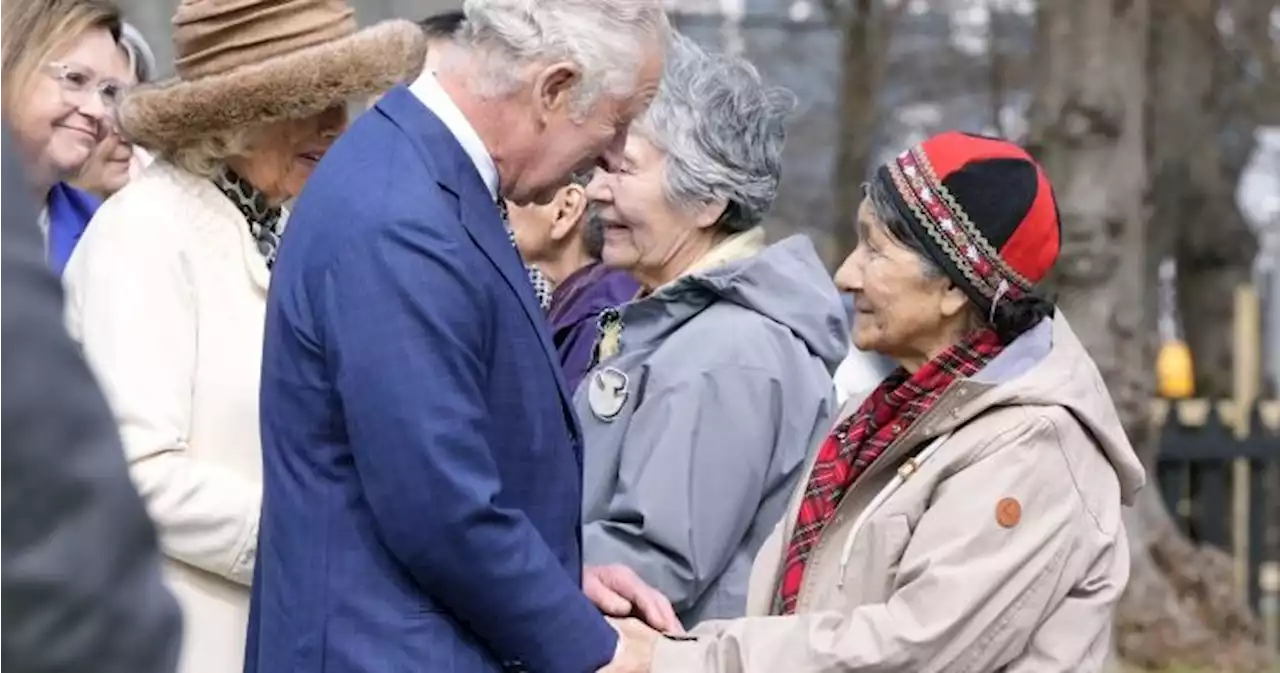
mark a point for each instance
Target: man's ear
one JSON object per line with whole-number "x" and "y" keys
{"x": 553, "y": 88}
{"x": 571, "y": 205}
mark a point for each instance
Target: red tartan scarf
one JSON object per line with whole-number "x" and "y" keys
{"x": 855, "y": 443}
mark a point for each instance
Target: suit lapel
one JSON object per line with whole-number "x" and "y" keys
{"x": 484, "y": 225}
{"x": 480, "y": 217}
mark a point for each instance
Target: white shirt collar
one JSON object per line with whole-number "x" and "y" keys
{"x": 428, "y": 90}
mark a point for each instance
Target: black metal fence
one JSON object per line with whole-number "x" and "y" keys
{"x": 1221, "y": 482}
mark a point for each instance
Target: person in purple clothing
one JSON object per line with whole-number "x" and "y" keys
{"x": 564, "y": 242}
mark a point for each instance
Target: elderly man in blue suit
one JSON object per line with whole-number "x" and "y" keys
{"x": 421, "y": 462}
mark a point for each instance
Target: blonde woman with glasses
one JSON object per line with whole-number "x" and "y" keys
{"x": 58, "y": 58}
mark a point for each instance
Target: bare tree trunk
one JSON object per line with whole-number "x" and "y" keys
{"x": 996, "y": 85}
{"x": 1088, "y": 129}
{"x": 1196, "y": 85}
{"x": 1198, "y": 88}
{"x": 1203, "y": 118}
{"x": 865, "y": 28}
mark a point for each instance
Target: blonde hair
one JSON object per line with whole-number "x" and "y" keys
{"x": 32, "y": 31}
{"x": 206, "y": 155}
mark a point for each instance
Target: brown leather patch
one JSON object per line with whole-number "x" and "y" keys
{"x": 1008, "y": 512}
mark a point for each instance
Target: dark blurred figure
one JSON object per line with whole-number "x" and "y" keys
{"x": 82, "y": 588}
{"x": 440, "y": 29}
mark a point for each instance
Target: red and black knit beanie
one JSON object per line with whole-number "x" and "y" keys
{"x": 984, "y": 212}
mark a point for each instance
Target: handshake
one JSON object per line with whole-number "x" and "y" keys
{"x": 638, "y": 612}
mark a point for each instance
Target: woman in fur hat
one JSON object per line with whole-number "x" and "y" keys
{"x": 966, "y": 514}
{"x": 167, "y": 288}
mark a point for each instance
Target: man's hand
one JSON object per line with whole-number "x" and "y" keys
{"x": 635, "y": 647}
{"x": 619, "y": 592}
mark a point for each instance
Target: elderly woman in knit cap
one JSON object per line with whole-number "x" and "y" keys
{"x": 966, "y": 515}
{"x": 167, "y": 289}
{"x": 710, "y": 387}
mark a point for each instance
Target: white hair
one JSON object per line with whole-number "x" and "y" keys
{"x": 722, "y": 130}
{"x": 141, "y": 59}
{"x": 607, "y": 39}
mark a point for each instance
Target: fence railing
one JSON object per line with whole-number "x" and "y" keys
{"x": 1219, "y": 475}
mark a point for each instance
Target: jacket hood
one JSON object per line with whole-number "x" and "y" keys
{"x": 1048, "y": 365}
{"x": 785, "y": 282}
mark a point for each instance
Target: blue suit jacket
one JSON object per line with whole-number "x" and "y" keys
{"x": 422, "y": 466}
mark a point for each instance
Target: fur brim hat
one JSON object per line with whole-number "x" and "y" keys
{"x": 247, "y": 63}
{"x": 983, "y": 210}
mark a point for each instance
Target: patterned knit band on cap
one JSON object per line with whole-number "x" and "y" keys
{"x": 983, "y": 210}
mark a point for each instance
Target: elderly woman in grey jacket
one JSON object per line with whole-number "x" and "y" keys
{"x": 966, "y": 514}
{"x": 708, "y": 388}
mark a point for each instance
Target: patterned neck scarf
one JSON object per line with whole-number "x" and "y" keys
{"x": 855, "y": 443}
{"x": 541, "y": 286}
{"x": 263, "y": 218}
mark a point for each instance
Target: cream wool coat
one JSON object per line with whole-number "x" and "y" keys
{"x": 987, "y": 538}
{"x": 167, "y": 293}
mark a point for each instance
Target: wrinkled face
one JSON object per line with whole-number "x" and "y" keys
{"x": 562, "y": 142}
{"x": 898, "y": 310}
{"x": 544, "y": 229}
{"x": 643, "y": 231}
{"x": 107, "y": 170}
{"x": 286, "y": 153}
{"x": 66, "y": 109}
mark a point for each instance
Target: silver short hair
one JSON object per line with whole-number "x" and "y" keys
{"x": 722, "y": 130}
{"x": 607, "y": 39}
{"x": 141, "y": 59}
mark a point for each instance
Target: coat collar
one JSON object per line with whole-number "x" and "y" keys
{"x": 457, "y": 174}
{"x": 962, "y": 401}
{"x": 255, "y": 265}
{"x": 429, "y": 92}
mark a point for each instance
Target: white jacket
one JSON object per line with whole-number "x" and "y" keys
{"x": 167, "y": 293}
{"x": 860, "y": 373}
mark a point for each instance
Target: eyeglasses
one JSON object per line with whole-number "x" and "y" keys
{"x": 76, "y": 82}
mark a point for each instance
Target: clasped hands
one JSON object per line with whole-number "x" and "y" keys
{"x": 638, "y": 612}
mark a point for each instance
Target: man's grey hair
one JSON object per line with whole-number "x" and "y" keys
{"x": 722, "y": 131}
{"x": 608, "y": 39}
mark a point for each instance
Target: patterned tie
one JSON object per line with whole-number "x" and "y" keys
{"x": 541, "y": 286}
